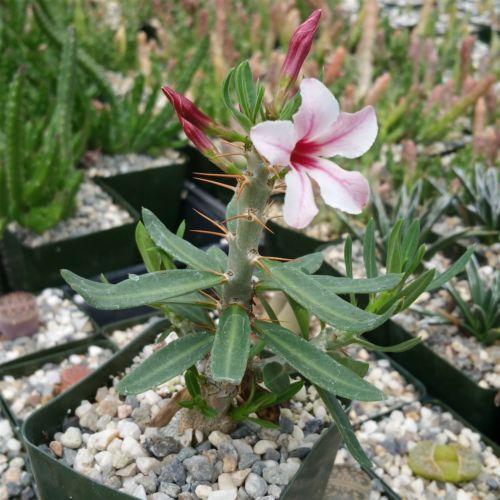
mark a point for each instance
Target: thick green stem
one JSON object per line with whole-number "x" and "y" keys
{"x": 243, "y": 245}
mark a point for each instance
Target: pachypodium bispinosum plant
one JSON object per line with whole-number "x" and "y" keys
{"x": 239, "y": 366}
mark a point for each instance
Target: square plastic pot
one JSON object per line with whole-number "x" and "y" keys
{"x": 24, "y": 367}
{"x": 158, "y": 189}
{"x": 55, "y": 480}
{"x": 34, "y": 268}
{"x": 443, "y": 380}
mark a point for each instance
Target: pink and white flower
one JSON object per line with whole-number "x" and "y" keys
{"x": 318, "y": 131}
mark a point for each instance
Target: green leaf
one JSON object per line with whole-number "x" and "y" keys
{"x": 291, "y": 107}
{"x": 316, "y": 365}
{"x": 166, "y": 363}
{"x": 348, "y": 265}
{"x": 362, "y": 285}
{"x": 275, "y": 377}
{"x": 411, "y": 292}
{"x": 456, "y": 268}
{"x": 176, "y": 247}
{"x": 358, "y": 367}
{"x": 346, "y": 431}
{"x": 394, "y": 260}
{"x": 410, "y": 241}
{"x": 369, "y": 256}
{"x": 302, "y": 316}
{"x": 217, "y": 254}
{"x": 191, "y": 379}
{"x": 231, "y": 346}
{"x": 326, "y": 305}
{"x": 148, "y": 250}
{"x": 401, "y": 347}
{"x": 141, "y": 290}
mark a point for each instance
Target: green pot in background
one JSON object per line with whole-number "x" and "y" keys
{"x": 159, "y": 189}
{"x": 32, "y": 269}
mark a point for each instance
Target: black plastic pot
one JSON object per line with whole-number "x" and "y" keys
{"x": 55, "y": 480}
{"x": 158, "y": 189}
{"x": 24, "y": 367}
{"x": 443, "y": 380}
{"x": 32, "y": 269}
{"x": 289, "y": 243}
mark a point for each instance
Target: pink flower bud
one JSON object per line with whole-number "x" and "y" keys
{"x": 186, "y": 109}
{"x": 298, "y": 49}
{"x": 197, "y": 137}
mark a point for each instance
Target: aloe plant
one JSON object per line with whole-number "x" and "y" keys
{"x": 409, "y": 205}
{"x": 480, "y": 316}
{"x": 38, "y": 180}
{"x": 228, "y": 377}
{"x": 479, "y": 201}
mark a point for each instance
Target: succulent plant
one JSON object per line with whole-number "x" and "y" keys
{"x": 480, "y": 316}
{"x": 479, "y": 201}
{"x": 451, "y": 463}
{"x": 38, "y": 181}
{"x": 408, "y": 205}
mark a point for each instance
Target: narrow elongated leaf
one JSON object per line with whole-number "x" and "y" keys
{"x": 369, "y": 256}
{"x": 358, "y": 367}
{"x": 166, "y": 363}
{"x": 401, "y": 347}
{"x": 394, "y": 258}
{"x": 231, "y": 346}
{"x": 141, "y": 290}
{"x": 322, "y": 302}
{"x": 316, "y": 365}
{"x": 346, "y": 431}
{"x": 148, "y": 250}
{"x": 457, "y": 267}
{"x": 348, "y": 265}
{"x": 308, "y": 264}
{"x": 275, "y": 377}
{"x": 351, "y": 285}
{"x": 178, "y": 248}
{"x": 411, "y": 292}
{"x": 217, "y": 254}
{"x": 302, "y": 316}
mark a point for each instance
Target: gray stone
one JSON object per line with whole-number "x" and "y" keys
{"x": 313, "y": 426}
{"x": 170, "y": 489}
{"x": 162, "y": 446}
{"x": 300, "y": 452}
{"x": 286, "y": 424}
{"x": 174, "y": 472}
{"x": 200, "y": 468}
{"x": 271, "y": 454}
{"x": 229, "y": 456}
{"x": 149, "y": 482}
{"x": 255, "y": 486}
{"x": 187, "y": 452}
{"x": 247, "y": 460}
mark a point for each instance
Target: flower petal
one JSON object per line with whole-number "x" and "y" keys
{"x": 274, "y": 141}
{"x": 352, "y": 135}
{"x": 318, "y": 111}
{"x": 299, "y": 209}
{"x": 342, "y": 189}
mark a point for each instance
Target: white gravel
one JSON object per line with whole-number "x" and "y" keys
{"x": 60, "y": 322}
{"x": 95, "y": 211}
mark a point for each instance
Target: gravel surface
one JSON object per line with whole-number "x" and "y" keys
{"x": 109, "y": 440}
{"x": 15, "y": 481}
{"x": 95, "y": 211}
{"x": 383, "y": 376}
{"x": 60, "y": 321}
{"x": 26, "y": 394}
{"x": 124, "y": 336}
{"x": 481, "y": 363}
{"x": 107, "y": 166}
{"x": 389, "y": 440}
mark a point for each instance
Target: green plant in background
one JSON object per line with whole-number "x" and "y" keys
{"x": 479, "y": 201}
{"x": 451, "y": 463}
{"x": 408, "y": 205}
{"x": 230, "y": 376}
{"x": 128, "y": 123}
{"x": 37, "y": 179}
{"x": 480, "y": 316}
